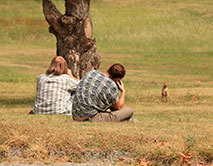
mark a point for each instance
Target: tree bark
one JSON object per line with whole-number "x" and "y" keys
{"x": 73, "y": 32}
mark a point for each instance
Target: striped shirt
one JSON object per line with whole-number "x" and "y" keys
{"x": 54, "y": 94}
{"x": 95, "y": 92}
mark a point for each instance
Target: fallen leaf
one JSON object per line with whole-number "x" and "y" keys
{"x": 121, "y": 159}
{"x": 70, "y": 161}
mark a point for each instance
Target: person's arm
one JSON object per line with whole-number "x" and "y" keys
{"x": 69, "y": 72}
{"x": 119, "y": 104}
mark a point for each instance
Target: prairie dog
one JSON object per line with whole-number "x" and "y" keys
{"x": 164, "y": 93}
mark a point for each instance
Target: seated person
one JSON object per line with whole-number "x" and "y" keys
{"x": 54, "y": 89}
{"x": 97, "y": 92}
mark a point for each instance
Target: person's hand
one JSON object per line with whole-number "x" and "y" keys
{"x": 120, "y": 86}
{"x": 69, "y": 72}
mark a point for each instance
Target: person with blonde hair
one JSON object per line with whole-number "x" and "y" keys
{"x": 55, "y": 89}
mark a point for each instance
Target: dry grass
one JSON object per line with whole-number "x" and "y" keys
{"x": 183, "y": 124}
{"x": 158, "y": 41}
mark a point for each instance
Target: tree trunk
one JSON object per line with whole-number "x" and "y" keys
{"x": 73, "y": 32}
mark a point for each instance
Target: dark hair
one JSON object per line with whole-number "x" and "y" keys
{"x": 117, "y": 71}
{"x": 58, "y": 66}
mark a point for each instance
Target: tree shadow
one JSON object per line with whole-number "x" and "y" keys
{"x": 15, "y": 102}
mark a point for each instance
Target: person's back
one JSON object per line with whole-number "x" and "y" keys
{"x": 95, "y": 93}
{"x": 54, "y": 89}
{"x": 54, "y": 94}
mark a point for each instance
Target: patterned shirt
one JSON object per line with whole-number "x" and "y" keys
{"x": 54, "y": 94}
{"x": 95, "y": 92}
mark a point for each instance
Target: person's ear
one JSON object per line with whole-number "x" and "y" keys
{"x": 116, "y": 80}
{"x": 108, "y": 69}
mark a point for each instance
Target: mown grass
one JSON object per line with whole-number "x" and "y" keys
{"x": 158, "y": 41}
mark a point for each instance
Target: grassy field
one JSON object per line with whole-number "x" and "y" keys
{"x": 158, "y": 41}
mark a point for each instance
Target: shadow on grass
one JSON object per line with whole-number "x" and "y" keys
{"x": 16, "y": 102}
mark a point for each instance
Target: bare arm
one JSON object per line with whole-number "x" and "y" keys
{"x": 120, "y": 102}
{"x": 69, "y": 72}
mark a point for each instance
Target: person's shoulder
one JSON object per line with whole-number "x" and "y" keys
{"x": 42, "y": 76}
{"x": 64, "y": 76}
{"x": 92, "y": 71}
{"x": 109, "y": 82}
{"x": 68, "y": 78}
{"x": 112, "y": 83}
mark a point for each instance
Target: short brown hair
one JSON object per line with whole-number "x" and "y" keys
{"x": 117, "y": 71}
{"x": 58, "y": 66}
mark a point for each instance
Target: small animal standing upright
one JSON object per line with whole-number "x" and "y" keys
{"x": 165, "y": 93}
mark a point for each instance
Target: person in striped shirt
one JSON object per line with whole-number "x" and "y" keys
{"x": 55, "y": 89}
{"x": 97, "y": 96}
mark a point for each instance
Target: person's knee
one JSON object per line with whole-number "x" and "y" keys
{"x": 130, "y": 110}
